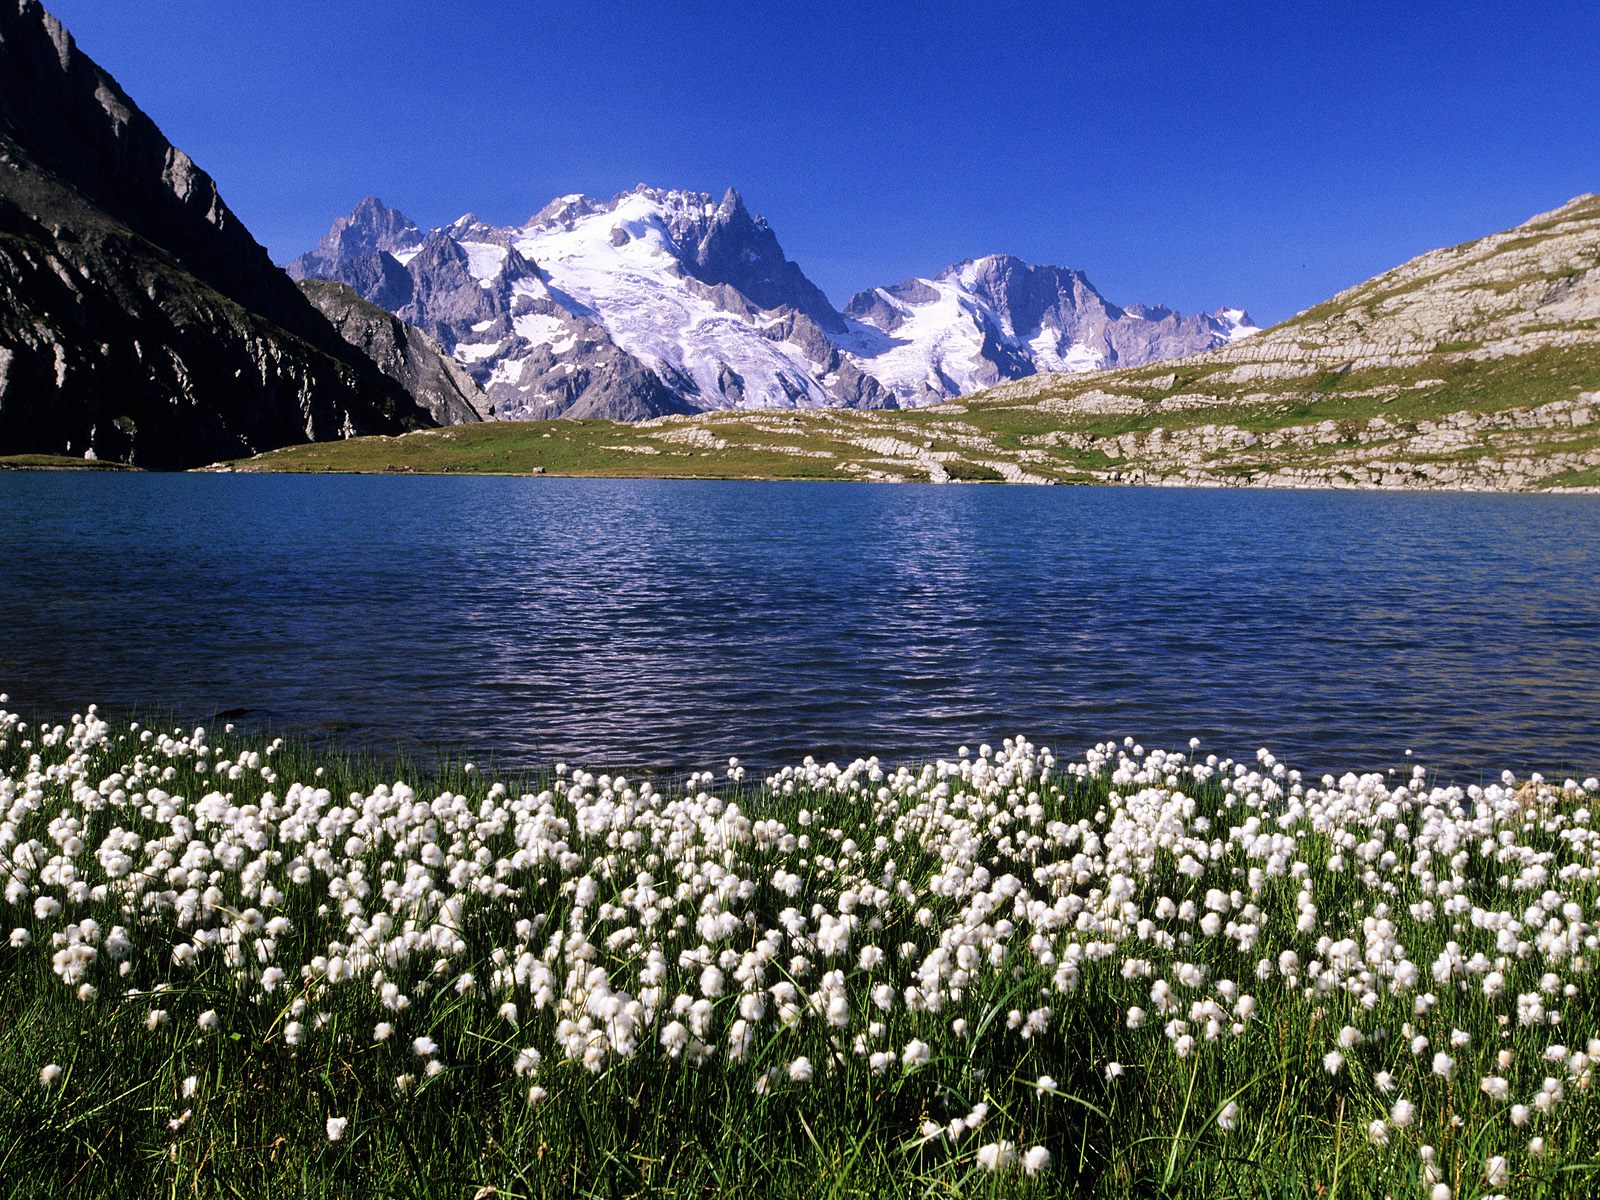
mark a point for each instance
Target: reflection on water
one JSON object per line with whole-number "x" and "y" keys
{"x": 672, "y": 624}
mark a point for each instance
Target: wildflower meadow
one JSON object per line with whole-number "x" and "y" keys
{"x": 239, "y": 967}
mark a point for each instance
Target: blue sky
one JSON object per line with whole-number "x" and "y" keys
{"x": 1263, "y": 155}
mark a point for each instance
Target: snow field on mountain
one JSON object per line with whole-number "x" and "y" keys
{"x": 639, "y": 293}
{"x": 935, "y": 349}
{"x": 484, "y": 260}
{"x": 1133, "y": 972}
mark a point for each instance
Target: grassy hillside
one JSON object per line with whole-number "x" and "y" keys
{"x": 1334, "y": 428}
{"x": 57, "y": 462}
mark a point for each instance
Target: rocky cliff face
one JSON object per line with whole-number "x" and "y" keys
{"x": 659, "y": 301}
{"x": 139, "y": 320}
{"x": 402, "y": 352}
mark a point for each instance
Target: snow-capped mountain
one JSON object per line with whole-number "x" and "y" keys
{"x": 661, "y": 301}
{"x": 989, "y": 320}
{"x": 653, "y": 302}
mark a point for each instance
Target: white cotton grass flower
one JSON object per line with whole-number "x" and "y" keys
{"x": 1228, "y": 1118}
{"x": 675, "y": 1038}
{"x": 49, "y": 1075}
{"x": 208, "y": 1021}
{"x": 997, "y": 1156}
{"x": 191, "y": 1085}
{"x": 800, "y": 1070}
{"x": 424, "y": 1046}
{"x": 1036, "y": 1161}
{"x": 1403, "y": 1113}
{"x": 335, "y": 1127}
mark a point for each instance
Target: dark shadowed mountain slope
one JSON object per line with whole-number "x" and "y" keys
{"x": 139, "y": 320}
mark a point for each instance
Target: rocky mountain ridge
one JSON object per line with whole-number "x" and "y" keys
{"x": 988, "y": 320}
{"x": 139, "y": 320}
{"x": 1475, "y": 365}
{"x": 402, "y": 352}
{"x": 661, "y": 301}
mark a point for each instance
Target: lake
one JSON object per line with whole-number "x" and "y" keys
{"x": 668, "y": 625}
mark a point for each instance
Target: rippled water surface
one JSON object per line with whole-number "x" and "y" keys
{"x": 670, "y": 624}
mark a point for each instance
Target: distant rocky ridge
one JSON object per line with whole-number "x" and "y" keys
{"x": 661, "y": 301}
{"x": 139, "y": 320}
{"x": 988, "y": 320}
{"x": 402, "y": 352}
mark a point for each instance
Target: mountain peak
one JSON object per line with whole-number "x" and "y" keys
{"x": 371, "y": 226}
{"x": 563, "y": 210}
{"x": 997, "y": 317}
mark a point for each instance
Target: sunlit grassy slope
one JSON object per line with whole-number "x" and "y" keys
{"x": 55, "y": 462}
{"x": 1027, "y": 438}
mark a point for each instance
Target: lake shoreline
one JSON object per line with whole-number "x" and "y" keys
{"x": 68, "y": 465}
